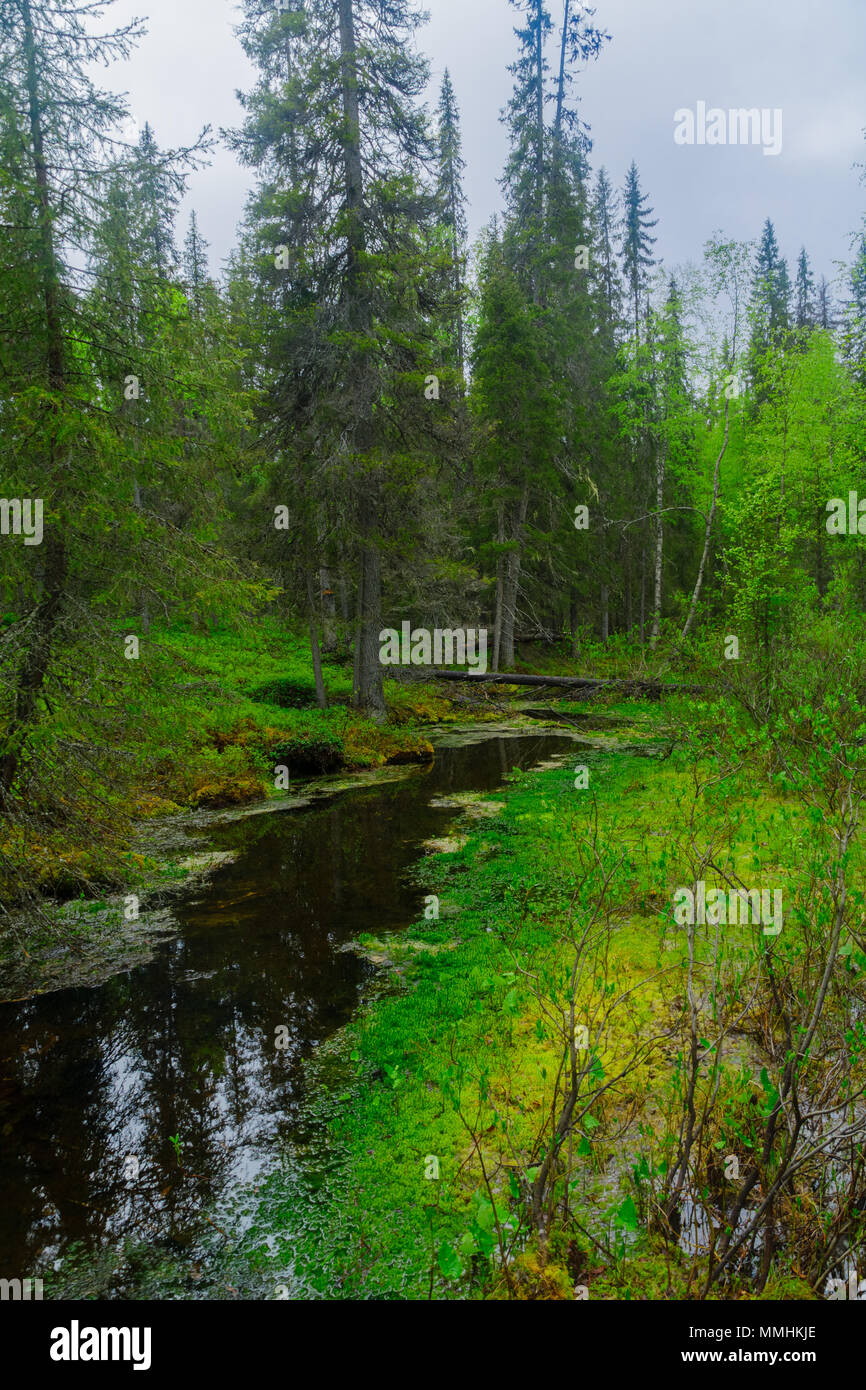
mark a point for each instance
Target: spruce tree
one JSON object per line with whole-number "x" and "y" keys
{"x": 637, "y": 244}
{"x": 346, "y": 200}
{"x": 804, "y": 294}
{"x": 770, "y": 307}
{"x": 605, "y": 216}
{"x": 70, "y": 344}
{"x": 452, "y": 201}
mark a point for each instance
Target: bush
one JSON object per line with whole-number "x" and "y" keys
{"x": 288, "y": 692}
{"x": 311, "y": 749}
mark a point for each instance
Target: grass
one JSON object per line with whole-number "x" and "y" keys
{"x": 454, "y": 1061}
{"x": 201, "y": 720}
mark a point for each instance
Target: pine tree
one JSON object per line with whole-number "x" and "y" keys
{"x": 159, "y": 186}
{"x": 578, "y": 42}
{"x": 452, "y": 201}
{"x": 66, "y": 348}
{"x": 605, "y": 214}
{"x": 637, "y": 243}
{"x": 804, "y": 294}
{"x": 195, "y": 265}
{"x": 824, "y": 311}
{"x": 345, "y": 159}
{"x": 525, "y": 170}
{"x": 770, "y": 307}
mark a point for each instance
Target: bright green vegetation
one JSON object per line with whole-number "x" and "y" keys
{"x": 607, "y": 467}
{"x": 459, "y": 1057}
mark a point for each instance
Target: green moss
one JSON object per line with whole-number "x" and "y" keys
{"x": 454, "y": 1040}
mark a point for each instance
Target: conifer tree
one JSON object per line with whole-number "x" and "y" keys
{"x": 804, "y": 294}
{"x": 195, "y": 265}
{"x": 605, "y": 215}
{"x": 346, "y": 200}
{"x": 452, "y": 201}
{"x": 78, "y": 449}
{"x": 771, "y": 302}
{"x": 637, "y": 244}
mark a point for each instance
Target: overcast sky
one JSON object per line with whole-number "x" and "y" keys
{"x": 806, "y": 59}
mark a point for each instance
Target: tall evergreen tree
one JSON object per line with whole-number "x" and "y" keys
{"x": 452, "y": 201}
{"x": 195, "y": 265}
{"x": 771, "y": 301}
{"x": 344, "y": 156}
{"x": 80, "y": 451}
{"x": 824, "y": 315}
{"x": 804, "y": 293}
{"x": 605, "y": 215}
{"x": 637, "y": 243}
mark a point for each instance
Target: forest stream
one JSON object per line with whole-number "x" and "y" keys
{"x": 135, "y": 1111}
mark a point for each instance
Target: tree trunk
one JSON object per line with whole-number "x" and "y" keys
{"x": 605, "y": 613}
{"x": 560, "y": 86}
{"x": 369, "y": 695}
{"x": 539, "y": 120}
{"x": 329, "y": 610}
{"x": 642, "y": 593}
{"x": 313, "y": 620}
{"x": 661, "y": 460}
{"x": 500, "y": 569}
{"x": 512, "y": 584}
{"x": 709, "y": 529}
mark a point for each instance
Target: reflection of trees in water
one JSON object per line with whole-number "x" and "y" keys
{"x": 186, "y": 1045}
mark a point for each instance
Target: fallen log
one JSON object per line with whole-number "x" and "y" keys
{"x": 567, "y": 682}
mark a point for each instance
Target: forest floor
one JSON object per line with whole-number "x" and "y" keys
{"x": 454, "y": 1059}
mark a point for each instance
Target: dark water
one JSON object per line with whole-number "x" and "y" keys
{"x": 94, "y": 1082}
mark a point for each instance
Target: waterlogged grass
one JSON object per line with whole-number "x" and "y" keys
{"x": 450, "y": 1069}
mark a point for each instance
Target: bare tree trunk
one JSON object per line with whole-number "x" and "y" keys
{"x": 329, "y": 610}
{"x": 605, "y": 613}
{"x": 642, "y": 593}
{"x": 313, "y": 620}
{"x": 500, "y": 568}
{"x": 369, "y": 694}
{"x": 512, "y": 584}
{"x": 629, "y": 606}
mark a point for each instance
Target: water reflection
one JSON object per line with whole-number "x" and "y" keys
{"x": 94, "y": 1083}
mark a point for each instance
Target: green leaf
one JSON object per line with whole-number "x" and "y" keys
{"x": 449, "y": 1261}
{"x": 627, "y": 1215}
